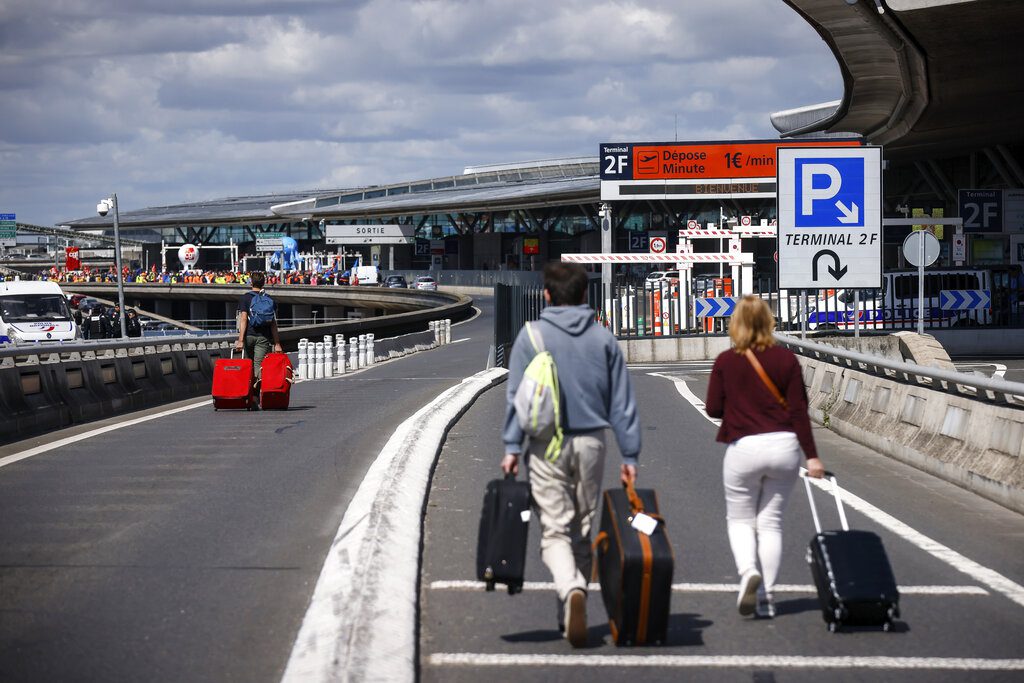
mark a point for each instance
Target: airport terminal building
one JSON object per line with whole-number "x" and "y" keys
{"x": 905, "y": 90}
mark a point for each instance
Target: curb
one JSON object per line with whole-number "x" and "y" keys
{"x": 361, "y": 621}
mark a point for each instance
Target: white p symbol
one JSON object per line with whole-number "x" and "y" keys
{"x": 807, "y": 181}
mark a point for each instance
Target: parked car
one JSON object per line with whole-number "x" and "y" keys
{"x": 660, "y": 275}
{"x": 425, "y": 282}
{"x": 75, "y": 300}
{"x": 395, "y": 282}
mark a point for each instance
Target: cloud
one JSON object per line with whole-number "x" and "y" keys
{"x": 171, "y": 102}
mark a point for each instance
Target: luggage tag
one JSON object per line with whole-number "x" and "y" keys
{"x": 525, "y": 516}
{"x": 645, "y": 524}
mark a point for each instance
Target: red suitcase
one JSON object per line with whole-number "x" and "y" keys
{"x": 232, "y": 383}
{"x": 275, "y": 381}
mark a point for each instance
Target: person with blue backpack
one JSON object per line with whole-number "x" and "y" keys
{"x": 257, "y": 323}
{"x": 567, "y": 384}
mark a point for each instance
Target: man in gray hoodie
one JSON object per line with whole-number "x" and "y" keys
{"x": 595, "y": 394}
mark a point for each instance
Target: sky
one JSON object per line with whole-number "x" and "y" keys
{"x": 172, "y": 102}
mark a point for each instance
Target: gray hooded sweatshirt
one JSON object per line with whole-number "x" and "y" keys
{"x": 595, "y": 390}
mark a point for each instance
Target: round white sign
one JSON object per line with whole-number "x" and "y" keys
{"x": 188, "y": 254}
{"x": 658, "y": 245}
{"x": 912, "y": 248}
{"x": 692, "y": 225}
{"x": 745, "y": 221}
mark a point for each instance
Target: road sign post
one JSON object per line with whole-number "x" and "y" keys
{"x": 8, "y": 230}
{"x": 920, "y": 248}
{"x": 830, "y": 217}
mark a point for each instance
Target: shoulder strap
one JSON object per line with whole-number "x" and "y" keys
{"x": 535, "y": 338}
{"x": 765, "y": 378}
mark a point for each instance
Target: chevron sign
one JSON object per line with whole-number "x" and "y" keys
{"x": 964, "y": 299}
{"x": 720, "y": 307}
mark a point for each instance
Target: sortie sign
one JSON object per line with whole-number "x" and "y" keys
{"x": 370, "y": 234}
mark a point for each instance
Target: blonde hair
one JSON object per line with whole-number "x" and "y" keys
{"x": 752, "y": 324}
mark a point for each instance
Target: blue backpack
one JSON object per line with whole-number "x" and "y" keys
{"x": 261, "y": 309}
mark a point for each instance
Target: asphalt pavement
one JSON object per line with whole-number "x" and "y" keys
{"x": 186, "y": 547}
{"x": 949, "y": 618}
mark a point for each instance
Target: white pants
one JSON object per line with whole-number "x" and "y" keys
{"x": 566, "y": 494}
{"x": 759, "y": 472}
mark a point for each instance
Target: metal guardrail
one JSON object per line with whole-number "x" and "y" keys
{"x": 969, "y": 386}
{"x": 103, "y": 345}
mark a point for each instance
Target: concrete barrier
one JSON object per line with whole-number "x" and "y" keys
{"x": 973, "y": 443}
{"x": 51, "y": 388}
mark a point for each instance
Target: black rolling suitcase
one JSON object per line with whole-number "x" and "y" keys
{"x": 501, "y": 542}
{"x": 851, "y": 572}
{"x": 634, "y": 568}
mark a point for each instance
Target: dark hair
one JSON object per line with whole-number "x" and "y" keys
{"x": 566, "y": 283}
{"x": 258, "y": 279}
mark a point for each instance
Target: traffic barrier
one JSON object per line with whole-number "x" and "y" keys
{"x": 341, "y": 355}
{"x": 318, "y": 360}
{"x": 353, "y": 346}
{"x": 370, "y": 359}
{"x": 302, "y": 371}
{"x": 975, "y": 443}
{"x": 447, "y": 331}
{"x": 51, "y": 388}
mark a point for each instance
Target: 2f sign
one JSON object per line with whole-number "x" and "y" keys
{"x": 982, "y": 210}
{"x": 615, "y": 164}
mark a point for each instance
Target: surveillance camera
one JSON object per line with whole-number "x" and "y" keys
{"x": 102, "y": 208}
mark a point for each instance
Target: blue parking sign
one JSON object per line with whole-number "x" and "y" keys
{"x": 829, "y": 192}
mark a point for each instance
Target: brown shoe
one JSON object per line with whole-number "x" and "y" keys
{"x": 576, "y": 617}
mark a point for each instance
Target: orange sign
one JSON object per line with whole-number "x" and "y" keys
{"x": 531, "y": 245}
{"x": 715, "y": 159}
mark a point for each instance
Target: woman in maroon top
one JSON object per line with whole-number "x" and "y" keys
{"x": 765, "y": 423}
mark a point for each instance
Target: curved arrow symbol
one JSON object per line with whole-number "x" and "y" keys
{"x": 837, "y": 272}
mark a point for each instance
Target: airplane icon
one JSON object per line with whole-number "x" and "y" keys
{"x": 645, "y": 159}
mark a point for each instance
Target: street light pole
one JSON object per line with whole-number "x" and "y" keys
{"x": 117, "y": 262}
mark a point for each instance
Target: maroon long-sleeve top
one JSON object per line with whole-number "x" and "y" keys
{"x": 738, "y": 396}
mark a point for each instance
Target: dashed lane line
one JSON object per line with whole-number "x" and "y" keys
{"x": 714, "y": 588}
{"x": 989, "y": 577}
{"x": 727, "y": 662}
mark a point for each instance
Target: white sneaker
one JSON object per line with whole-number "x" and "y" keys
{"x": 576, "y": 617}
{"x": 765, "y": 607}
{"x": 747, "y": 599}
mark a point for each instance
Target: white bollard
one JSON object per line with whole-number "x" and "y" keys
{"x": 433, "y": 330}
{"x": 318, "y": 360}
{"x": 370, "y": 357}
{"x": 328, "y": 359}
{"x": 300, "y": 371}
{"x": 447, "y": 331}
{"x": 353, "y": 347}
{"x": 341, "y": 355}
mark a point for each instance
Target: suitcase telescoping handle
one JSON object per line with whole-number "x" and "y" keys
{"x": 232, "y": 353}
{"x": 836, "y": 493}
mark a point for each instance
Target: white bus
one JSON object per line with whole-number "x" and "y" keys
{"x": 34, "y": 312}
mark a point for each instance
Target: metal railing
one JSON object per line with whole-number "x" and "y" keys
{"x": 969, "y": 386}
{"x": 513, "y": 307}
{"x": 104, "y": 346}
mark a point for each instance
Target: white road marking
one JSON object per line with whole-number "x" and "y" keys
{"x": 715, "y": 588}
{"x": 11, "y": 459}
{"x": 459, "y": 341}
{"x": 979, "y": 573}
{"x": 361, "y": 621}
{"x": 730, "y": 662}
{"x": 688, "y": 396}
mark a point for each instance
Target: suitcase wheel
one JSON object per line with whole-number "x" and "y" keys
{"x": 515, "y": 588}
{"x": 490, "y": 586}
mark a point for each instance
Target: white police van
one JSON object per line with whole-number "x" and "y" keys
{"x": 34, "y": 312}
{"x": 895, "y": 305}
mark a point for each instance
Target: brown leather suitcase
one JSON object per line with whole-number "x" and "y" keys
{"x": 634, "y": 568}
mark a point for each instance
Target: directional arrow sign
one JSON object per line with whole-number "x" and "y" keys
{"x": 964, "y": 299}
{"x": 715, "y": 307}
{"x": 830, "y": 217}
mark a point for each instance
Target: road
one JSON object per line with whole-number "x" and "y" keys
{"x": 186, "y": 548}
{"x": 184, "y": 544}
{"x": 468, "y": 634}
